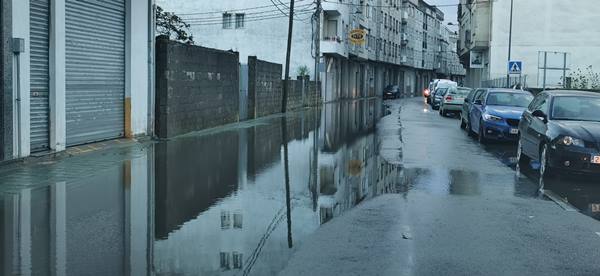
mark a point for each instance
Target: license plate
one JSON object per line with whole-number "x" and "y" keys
{"x": 596, "y": 159}
{"x": 514, "y": 131}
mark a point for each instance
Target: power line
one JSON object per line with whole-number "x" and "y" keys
{"x": 220, "y": 17}
{"x": 233, "y": 10}
{"x": 251, "y": 20}
{"x": 248, "y": 18}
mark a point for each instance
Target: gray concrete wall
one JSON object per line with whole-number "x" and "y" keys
{"x": 196, "y": 88}
{"x": 5, "y": 82}
{"x": 264, "y": 88}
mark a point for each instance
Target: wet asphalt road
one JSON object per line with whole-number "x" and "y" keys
{"x": 461, "y": 209}
{"x": 408, "y": 193}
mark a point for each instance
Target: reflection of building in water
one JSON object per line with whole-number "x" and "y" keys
{"x": 350, "y": 167}
{"x": 97, "y": 225}
{"x": 244, "y": 229}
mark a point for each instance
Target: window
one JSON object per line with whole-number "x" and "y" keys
{"x": 237, "y": 260}
{"x": 238, "y": 220}
{"x": 227, "y": 21}
{"x": 225, "y": 261}
{"x": 538, "y": 102}
{"x": 331, "y": 29}
{"x": 240, "y": 20}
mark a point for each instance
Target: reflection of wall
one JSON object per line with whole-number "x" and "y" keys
{"x": 191, "y": 174}
{"x": 95, "y": 225}
{"x": 345, "y": 122}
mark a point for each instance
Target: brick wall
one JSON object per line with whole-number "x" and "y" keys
{"x": 196, "y": 88}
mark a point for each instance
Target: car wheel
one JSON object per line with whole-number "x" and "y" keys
{"x": 545, "y": 169}
{"x": 470, "y": 131}
{"x": 462, "y": 122}
{"x": 523, "y": 159}
{"x": 441, "y": 112}
{"x": 481, "y": 136}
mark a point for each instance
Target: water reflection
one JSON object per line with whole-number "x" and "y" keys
{"x": 201, "y": 205}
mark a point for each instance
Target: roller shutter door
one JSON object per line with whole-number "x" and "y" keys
{"x": 95, "y": 93}
{"x": 39, "y": 79}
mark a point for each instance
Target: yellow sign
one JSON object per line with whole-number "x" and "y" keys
{"x": 357, "y": 36}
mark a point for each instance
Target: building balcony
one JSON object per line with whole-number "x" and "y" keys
{"x": 332, "y": 8}
{"x": 334, "y": 46}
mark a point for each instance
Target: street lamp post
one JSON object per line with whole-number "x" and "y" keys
{"x": 509, "y": 45}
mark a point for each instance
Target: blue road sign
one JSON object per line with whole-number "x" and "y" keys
{"x": 515, "y": 67}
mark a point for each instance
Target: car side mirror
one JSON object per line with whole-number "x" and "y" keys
{"x": 540, "y": 115}
{"x": 477, "y": 102}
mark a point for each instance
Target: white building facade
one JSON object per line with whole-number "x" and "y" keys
{"x": 552, "y": 38}
{"x": 346, "y": 70}
{"x": 81, "y": 72}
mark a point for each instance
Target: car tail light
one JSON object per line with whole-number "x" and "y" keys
{"x": 449, "y": 98}
{"x": 426, "y": 92}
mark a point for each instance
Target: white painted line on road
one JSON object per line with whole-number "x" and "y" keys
{"x": 559, "y": 201}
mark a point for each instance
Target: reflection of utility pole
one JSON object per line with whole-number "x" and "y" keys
{"x": 287, "y": 60}
{"x": 315, "y": 154}
{"x": 286, "y": 165}
{"x": 509, "y": 44}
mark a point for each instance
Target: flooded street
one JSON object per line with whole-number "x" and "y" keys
{"x": 206, "y": 204}
{"x": 251, "y": 199}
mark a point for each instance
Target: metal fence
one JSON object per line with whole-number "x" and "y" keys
{"x": 515, "y": 81}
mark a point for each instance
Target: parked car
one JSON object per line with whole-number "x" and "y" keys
{"x": 561, "y": 130}
{"x": 436, "y": 98}
{"x": 437, "y": 85}
{"x": 453, "y": 100}
{"x": 466, "y": 107}
{"x": 391, "y": 92}
{"x": 496, "y": 113}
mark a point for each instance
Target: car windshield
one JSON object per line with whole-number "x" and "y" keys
{"x": 441, "y": 91}
{"x": 576, "y": 108}
{"x": 459, "y": 92}
{"x": 509, "y": 99}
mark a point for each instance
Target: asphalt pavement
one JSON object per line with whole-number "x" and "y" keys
{"x": 461, "y": 209}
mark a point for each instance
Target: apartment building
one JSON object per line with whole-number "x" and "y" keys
{"x": 74, "y": 72}
{"x": 400, "y": 45}
{"x": 552, "y": 38}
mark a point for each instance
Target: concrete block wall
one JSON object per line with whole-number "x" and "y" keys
{"x": 6, "y": 98}
{"x": 264, "y": 88}
{"x": 196, "y": 88}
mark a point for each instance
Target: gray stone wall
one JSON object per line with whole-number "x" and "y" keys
{"x": 264, "y": 88}
{"x": 196, "y": 88}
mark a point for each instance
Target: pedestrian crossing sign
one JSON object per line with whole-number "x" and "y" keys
{"x": 515, "y": 67}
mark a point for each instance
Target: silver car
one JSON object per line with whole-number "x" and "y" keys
{"x": 452, "y": 100}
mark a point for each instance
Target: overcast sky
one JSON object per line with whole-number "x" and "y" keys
{"x": 449, "y": 12}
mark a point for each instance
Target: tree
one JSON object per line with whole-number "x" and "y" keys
{"x": 173, "y": 26}
{"x": 303, "y": 71}
{"x": 584, "y": 79}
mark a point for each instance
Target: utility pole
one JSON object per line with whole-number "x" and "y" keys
{"x": 284, "y": 99}
{"x": 509, "y": 45}
{"x": 317, "y": 50}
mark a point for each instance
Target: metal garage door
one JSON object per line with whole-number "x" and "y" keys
{"x": 39, "y": 92}
{"x": 95, "y": 70}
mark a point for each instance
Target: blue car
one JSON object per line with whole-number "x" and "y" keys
{"x": 495, "y": 114}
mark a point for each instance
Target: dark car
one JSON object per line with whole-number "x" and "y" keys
{"x": 561, "y": 130}
{"x": 437, "y": 96}
{"x": 467, "y": 104}
{"x": 496, "y": 113}
{"x": 391, "y": 92}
